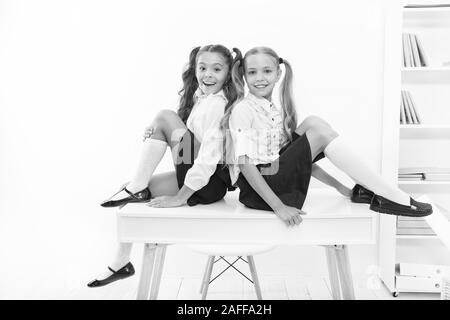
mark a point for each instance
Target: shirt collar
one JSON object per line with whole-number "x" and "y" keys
{"x": 261, "y": 102}
{"x": 199, "y": 94}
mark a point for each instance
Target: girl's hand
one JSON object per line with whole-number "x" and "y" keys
{"x": 346, "y": 192}
{"x": 289, "y": 215}
{"x": 166, "y": 202}
{"x": 148, "y": 132}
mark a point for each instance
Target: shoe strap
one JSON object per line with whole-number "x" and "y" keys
{"x": 130, "y": 193}
{"x": 109, "y": 268}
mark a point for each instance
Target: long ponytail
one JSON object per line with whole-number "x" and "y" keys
{"x": 190, "y": 85}
{"x": 287, "y": 101}
{"x": 237, "y": 83}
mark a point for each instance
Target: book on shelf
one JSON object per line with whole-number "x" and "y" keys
{"x": 415, "y": 232}
{"x": 408, "y": 111}
{"x": 427, "y": 6}
{"x": 424, "y": 173}
{"x": 423, "y": 59}
{"x": 421, "y": 170}
{"x": 414, "y": 107}
{"x": 411, "y": 109}
{"x": 409, "y": 50}
{"x": 402, "y": 111}
{"x": 413, "y": 52}
{"x": 411, "y": 177}
{"x": 416, "y": 223}
{"x": 406, "y": 57}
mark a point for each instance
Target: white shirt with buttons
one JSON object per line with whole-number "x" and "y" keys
{"x": 204, "y": 122}
{"x": 256, "y": 127}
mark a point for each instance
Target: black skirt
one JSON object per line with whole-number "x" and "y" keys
{"x": 219, "y": 183}
{"x": 291, "y": 180}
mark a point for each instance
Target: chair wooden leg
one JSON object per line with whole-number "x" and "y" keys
{"x": 208, "y": 277}
{"x": 159, "y": 265}
{"x": 252, "y": 266}
{"x": 345, "y": 273}
{"x": 205, "y": 274}
{"x": 148, "y": 260}
{"x": 333, "y": 272}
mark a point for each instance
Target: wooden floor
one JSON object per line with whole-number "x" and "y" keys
{"x": 238, "y": 288}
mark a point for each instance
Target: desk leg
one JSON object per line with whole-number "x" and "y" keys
{"x": 251, "y": 263}
{"x": 205, "y": 274}
{"x": 333, "y": 272}
{"x": 157, "y": 274}
{"x": 148, "y": 260}
{"x": 345, "y": 273}
{"x": 208, "y": 277}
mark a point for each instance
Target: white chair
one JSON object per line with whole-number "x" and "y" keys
{"x": 230, "y": 250}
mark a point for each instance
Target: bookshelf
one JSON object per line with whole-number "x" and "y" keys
{"x": 421, "y": 145}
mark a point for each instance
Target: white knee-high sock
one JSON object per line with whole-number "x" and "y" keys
{"x": 343, "y": 157}
{"x": 152, "y": 153}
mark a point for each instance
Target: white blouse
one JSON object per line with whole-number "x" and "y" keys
{"x": 204, "y": 122}
{"x": 256, "y": 127}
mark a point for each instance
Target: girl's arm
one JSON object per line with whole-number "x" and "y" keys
{"x": 323, "y": 176}
{"x": 205, "y": 164}
{"x": 172, "y": 201}
{"x": 290, "y": 215}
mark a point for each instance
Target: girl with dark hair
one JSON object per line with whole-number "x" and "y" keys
{"x": 196, "y": 142}
{"x": 274, "y": 159}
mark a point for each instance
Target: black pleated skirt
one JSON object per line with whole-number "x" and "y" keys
{"x": 219, "y": 183}
{"x": 291, "y": 177}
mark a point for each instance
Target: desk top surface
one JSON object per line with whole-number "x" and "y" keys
{"x": 320, "y": 203}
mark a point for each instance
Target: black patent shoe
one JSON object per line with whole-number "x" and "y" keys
{"x": 122, "y": 273}
{"x": 361, "y": 194}
{"x": 140, "y": 196}
{"x": 415, "y": 209}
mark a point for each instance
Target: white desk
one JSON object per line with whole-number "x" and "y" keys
{"x": 332, "y": 221}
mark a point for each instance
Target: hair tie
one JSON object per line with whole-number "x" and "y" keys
{"x": 280, "y": 60}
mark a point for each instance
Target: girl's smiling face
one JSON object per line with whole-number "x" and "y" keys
{"x": 261, "y": 74}
{"x": 211, "y": 72}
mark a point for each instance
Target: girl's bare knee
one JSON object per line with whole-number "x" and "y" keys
{"x": 328, "y": 135}
{"x": 165, "y": 114}
{"x": 323, "y": 135}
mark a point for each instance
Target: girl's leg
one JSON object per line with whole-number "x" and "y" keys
{"x": 160, "y": 184}
{"x": 323, "y": 138}
{"x": 168, "y": 129}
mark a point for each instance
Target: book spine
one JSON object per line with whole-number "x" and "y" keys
{"x": 414, "y": 107}
{"x": 408, "y": 43}
{"x": 414, "y": 50}
{"x": 423, "y": 59}
{"x": 405, "y": 50}
{"x": 416, "y": 231}
{"x": 411, "y": 107}
{"x": 402, "y": 110}
{"x": 408, "y": 114}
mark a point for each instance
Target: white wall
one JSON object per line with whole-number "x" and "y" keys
{"x": 80, "y": 80}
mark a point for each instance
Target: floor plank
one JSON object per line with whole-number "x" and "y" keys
{"x": 273, "y": 288}
{"x": 297, "y": 288}
{"x": 226, "y": 287}
{"x": 318, "y": 288}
